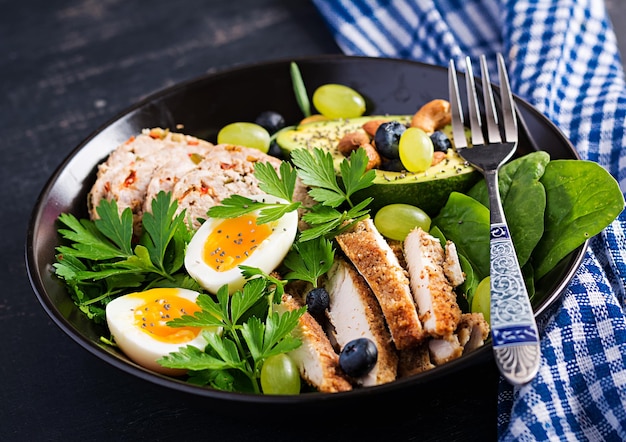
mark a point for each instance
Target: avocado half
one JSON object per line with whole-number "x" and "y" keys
{"x": 427, "y": 190}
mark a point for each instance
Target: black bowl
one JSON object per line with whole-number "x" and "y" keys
{"x": 204, "y": 105}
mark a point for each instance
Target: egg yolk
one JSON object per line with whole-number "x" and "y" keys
{"x": 161, "y": 306}
{"x": 232, "y": 241}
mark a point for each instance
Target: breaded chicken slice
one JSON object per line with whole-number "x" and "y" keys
{"x": 452, "y": 265}
{"x": 433, "y": 293}
{"x": 470, "y": 334}
{"x": 374, "y": 259}
{"x": 355, "y": 313}
{"x": 472, "y": 331}
{"x": 316, "y": 358}
{"x": 444, "y": 349}
{"x": 414, "y": 360}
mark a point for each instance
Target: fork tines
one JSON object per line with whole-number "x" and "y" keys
{"x": 507, "y": 109}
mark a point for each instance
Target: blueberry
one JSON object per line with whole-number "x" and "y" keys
{"x": 317, "y": 301}
{"x": 275, "y": 150}
{"x": 358, "y": 357}
{"x": 441, "y": 142}
{"x": 271, "y": 121}
{"x": 387, "y": 139}
{"x": 394, "y": 165}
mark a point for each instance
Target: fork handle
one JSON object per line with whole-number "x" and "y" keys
{"x": 514, "y": 331}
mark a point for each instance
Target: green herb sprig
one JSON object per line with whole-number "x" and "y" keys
{"x": 238, "y": 343}
{"x": 316, "y": 169}
{"x": 299, "y": 89}
{"x": 101, "y": 260}
{"x": 308, "y": 260}
{"x": 270, "y": 182}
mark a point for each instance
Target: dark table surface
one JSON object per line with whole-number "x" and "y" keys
{"x": 68, "y": 67}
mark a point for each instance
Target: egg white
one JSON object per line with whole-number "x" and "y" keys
{"x": 138, "y": 345}
{"x": 267, "y": 256}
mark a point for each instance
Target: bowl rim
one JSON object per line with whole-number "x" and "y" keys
{"x": 480, "y": 355}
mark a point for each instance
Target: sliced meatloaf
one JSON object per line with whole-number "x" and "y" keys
{"x": 197, "y": 173}
{"x": 129, "y": 169}
{"x": 226, "y": 170}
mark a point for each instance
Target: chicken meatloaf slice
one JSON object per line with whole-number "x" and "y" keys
{"x": 226, "y": 170}
{"x": 129, "y": 169}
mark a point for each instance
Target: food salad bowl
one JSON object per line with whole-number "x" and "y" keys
{"x": 200, "y": 108}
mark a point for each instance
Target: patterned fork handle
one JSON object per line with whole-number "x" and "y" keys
{"x": 514, "y": 331}
{"x": 515, "y": 337}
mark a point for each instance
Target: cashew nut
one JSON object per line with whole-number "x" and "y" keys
{"x": 438, "y": 157}
{"x": 374, "y": 160}
{"x": 352, "y": 141}
{"x": 432, "y": 116}
{"x": 371, "y": 126}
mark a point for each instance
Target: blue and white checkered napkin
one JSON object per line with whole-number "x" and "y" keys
{"x": 562, "y": 57}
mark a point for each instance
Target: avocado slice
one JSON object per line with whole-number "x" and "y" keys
{"x": 427, "y": 190}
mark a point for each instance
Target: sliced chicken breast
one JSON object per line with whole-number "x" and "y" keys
{"x": 433, "y": 293}
{"x": 355, "y": 313}
{"x": 444, "y": 350}
{"x": 452, "y": 265}
{"x": 374, "y": 259}
{"x": 316, "y": 359}
{"x": 472, "y": 331}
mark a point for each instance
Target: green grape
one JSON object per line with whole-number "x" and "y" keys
{"x": 280, "y": 375}
{"x": 245, "y": 134}
{"x": 481, "y": 302}
{"x": 338, "y": 101}
{"x": 395, "y": 221}
{"x": 416, "y": 150}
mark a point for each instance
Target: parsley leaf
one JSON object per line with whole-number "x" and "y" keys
{"x": 316, "y": 169}
{"x": 272, "y": 337}
{"x": 243, "y": 342}
{"x": 119, "y": 229}
{"x": 330, "y": 222}
{"x": 161, "y": 226}
{"x": 279, "y": 186}
{"x": 192, "y": 358}
{"x": 89, "y": 242}
{"x": 237, "y": 205}
{"x": 309, "y": 260}
{"x": 99, "y": 259}
{"x": 272, "y": 284}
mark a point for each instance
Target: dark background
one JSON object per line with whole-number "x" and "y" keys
{"x": 68, "y": 67}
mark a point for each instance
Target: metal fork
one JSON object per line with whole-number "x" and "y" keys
{"x": 514, "y": 330}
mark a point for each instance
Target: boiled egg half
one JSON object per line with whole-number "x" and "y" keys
{"x": 221, "y": 245}
{"x": 137, "y": 322}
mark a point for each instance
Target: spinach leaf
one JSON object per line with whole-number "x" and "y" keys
{"x": 529, "y": 280}
{"x": 468, "y": 287}
{"x": 471, "y": 280}
{"x": 582, "y": 199}
{"x": 523, "y": 199}
{"x": 465, "y": 221}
